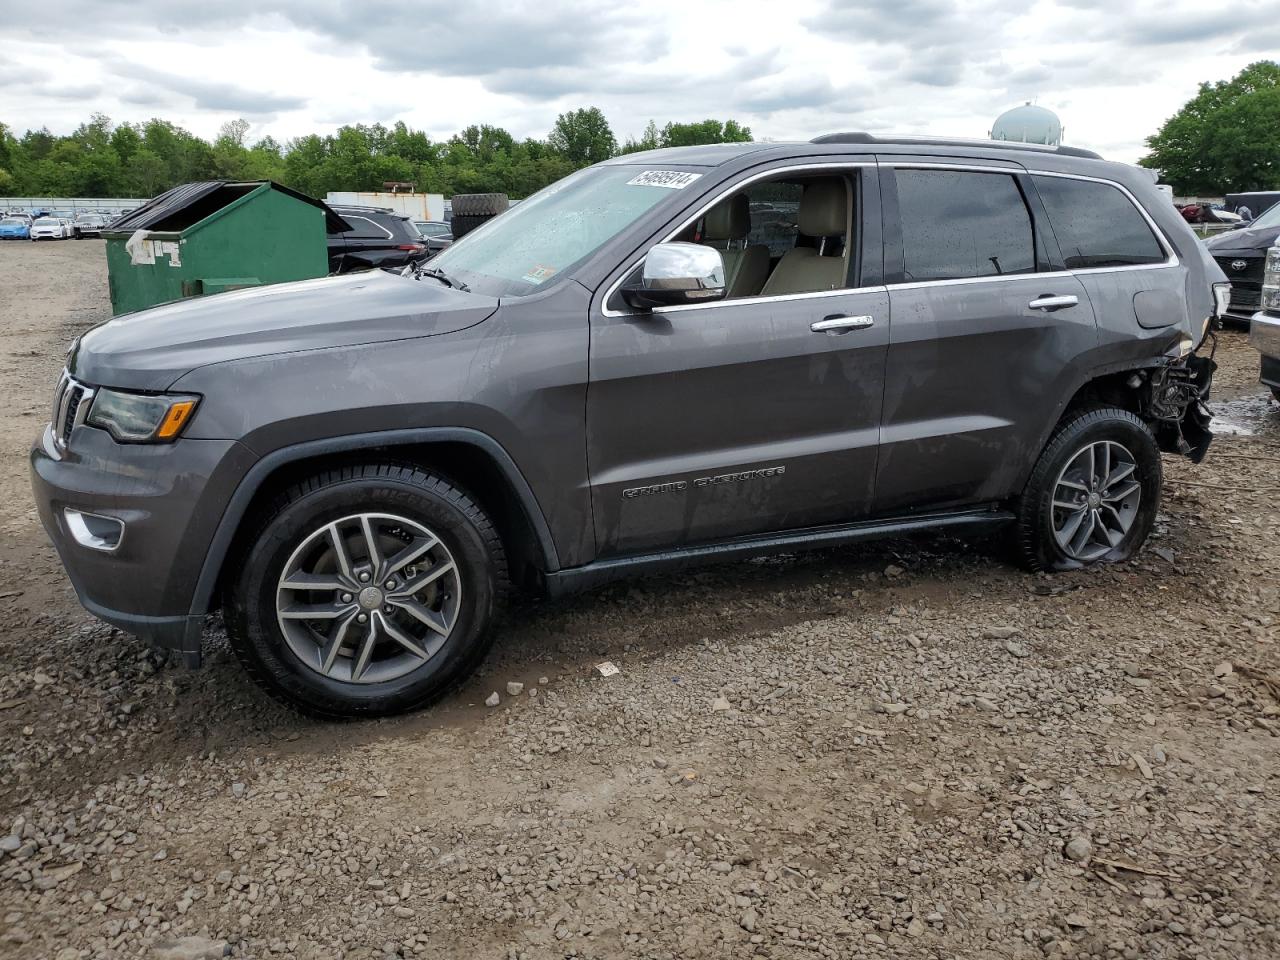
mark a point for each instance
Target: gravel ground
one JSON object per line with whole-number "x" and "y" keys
{"x": 912, "y": 750}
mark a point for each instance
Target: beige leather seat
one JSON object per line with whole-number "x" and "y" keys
{"x": 823, "y": 213}
{"x": 725, "y": 227}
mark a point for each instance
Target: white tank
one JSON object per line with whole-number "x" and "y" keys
{"x": 1028, "y": 124}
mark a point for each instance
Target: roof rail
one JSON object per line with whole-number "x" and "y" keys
{"x": 861, "y": 137}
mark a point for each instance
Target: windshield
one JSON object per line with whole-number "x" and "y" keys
{"x": 10, "y": 222}
{"x": 1269, "y": 219}
{"x": 556, "y": 229}
{"x": 47, "y": 222}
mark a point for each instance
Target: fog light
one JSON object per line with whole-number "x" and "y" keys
{"x": 94, "y": 531}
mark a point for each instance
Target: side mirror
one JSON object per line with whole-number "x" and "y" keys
{"x": 676, "y": 274}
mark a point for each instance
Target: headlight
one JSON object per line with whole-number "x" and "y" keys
{"x": 1221, "y": 299}
{"x": 1271, "y": 281}
{"x": 141, "y": 417}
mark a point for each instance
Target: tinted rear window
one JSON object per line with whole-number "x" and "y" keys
{"x": 373, "y": 227}
{"x": 957, "y": 225}
{"x": 1096, "y": 224}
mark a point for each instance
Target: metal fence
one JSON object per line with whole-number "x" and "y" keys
{"x": 73, "y": 204}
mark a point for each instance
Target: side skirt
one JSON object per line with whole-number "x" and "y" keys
{"x": 563, "y": 582}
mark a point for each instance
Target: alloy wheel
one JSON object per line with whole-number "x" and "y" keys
{"x": 368, "y": 598}
{"x": 1095, "y": 500}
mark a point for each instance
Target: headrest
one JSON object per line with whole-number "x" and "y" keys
{"x": 822, "y": 208}
{"x": 728, "y": 220}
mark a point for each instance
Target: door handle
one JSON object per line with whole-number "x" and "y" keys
{"x": 838, "y": 323}
{"x": 1049, "y": 302}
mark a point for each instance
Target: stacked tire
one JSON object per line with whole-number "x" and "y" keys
{"x": 470, "y": 210}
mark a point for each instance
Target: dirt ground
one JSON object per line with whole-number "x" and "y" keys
{"x": 913, "y": 750}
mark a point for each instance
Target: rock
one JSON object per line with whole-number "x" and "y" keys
{"x": 719, "y": 704}
{"x": 191, "y": 948}
{"x": 748, "y": 920}
{"x": 1076, "y": 920}
{"x": 1000, "y": 632}
{"x": 237, "y": 790}
{"x": 916, "y": 927}
{"x": 982, "y": 703}
{"x": 514, "y": 688}
{"x": 10, "y": 844}
{"x": 659, "y": 763}
{"x": 1016, "y": 649}
{"x": 1223, "y": 669}
{"x": 893, "y": 571}
{"x": 492, "y": 700}
{"x": 891, "y": 708}
{"x": 1078, "y": 849}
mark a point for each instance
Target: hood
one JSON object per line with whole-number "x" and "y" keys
{"x": 151, "y": 349}
{"x": 1247, "y": 241}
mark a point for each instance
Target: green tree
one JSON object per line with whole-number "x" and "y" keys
{"x": 707, "y": 131}
{"x": 1226, "y": 138}
{"x": 649, "y": 140}
{"x": 583, "y": 136}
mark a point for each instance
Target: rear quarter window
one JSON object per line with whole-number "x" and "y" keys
{"x": 1096, "y": 224}
{"x": 365, "y": 228}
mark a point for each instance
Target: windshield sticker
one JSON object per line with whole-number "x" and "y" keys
{"x": 538, "y": 274}
{"x": 672, "y": 179}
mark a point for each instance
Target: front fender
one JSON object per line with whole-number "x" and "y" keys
{"x": 238, "y": 506}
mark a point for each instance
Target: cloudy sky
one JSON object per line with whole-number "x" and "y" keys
{"x": 1112, "y": 69}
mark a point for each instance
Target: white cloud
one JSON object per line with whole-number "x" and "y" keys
{"x": 1113, "y": 71}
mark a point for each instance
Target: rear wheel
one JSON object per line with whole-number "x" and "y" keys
{"x": 368, "y": 591}
{"x": 1093, "y": 495}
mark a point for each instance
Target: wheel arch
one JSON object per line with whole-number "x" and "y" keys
{"x": 474, "y": 460}
{"x": 1111, "y": 386}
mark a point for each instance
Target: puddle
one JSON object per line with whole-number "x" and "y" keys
{"x": 1243, "y": 416}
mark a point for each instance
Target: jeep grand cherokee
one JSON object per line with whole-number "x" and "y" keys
{"x": 625, "y": 373}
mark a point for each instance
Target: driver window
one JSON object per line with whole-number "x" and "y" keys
{"x": 783, "y": 236}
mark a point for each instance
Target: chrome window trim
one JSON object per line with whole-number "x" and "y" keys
{"x": 729, "y": 190}
{"x": 884, "y": 161}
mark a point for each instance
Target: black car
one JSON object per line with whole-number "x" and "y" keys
{"x": 378, "y": 238}
{"x": 1242, "y": 255}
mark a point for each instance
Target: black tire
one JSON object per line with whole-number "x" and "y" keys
{"x": 479, "y": 204}
{"x": 405, "y": 491}
{"x": 461, "y": 226}
{"x": 1034, "y": 539}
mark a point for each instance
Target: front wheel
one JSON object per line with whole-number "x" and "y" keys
{"x": 368, "y": 591}
{"x": 1093, "y": 495}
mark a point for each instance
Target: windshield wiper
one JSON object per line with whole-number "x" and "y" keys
{"x": 437, "y": 274}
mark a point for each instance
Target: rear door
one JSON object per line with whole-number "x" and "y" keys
{"x": 1136, "y": 284}
{"x": 367, "y": 241}
{"x": 987, "y": 333}
{"x": 738, "y": 417}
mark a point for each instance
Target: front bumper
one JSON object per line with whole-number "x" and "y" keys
{"x": 1264, "y": 335}
{"x": 169, "y": 497}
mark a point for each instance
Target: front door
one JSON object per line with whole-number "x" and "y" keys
{"x": 738, "y": 417}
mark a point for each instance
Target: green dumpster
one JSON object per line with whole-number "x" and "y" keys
{"x": 209, "y": 237}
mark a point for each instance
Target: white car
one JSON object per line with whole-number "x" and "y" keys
{"x": 51, "y": 228}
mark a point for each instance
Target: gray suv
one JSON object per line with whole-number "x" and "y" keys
{"x": 667, "y": 358}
